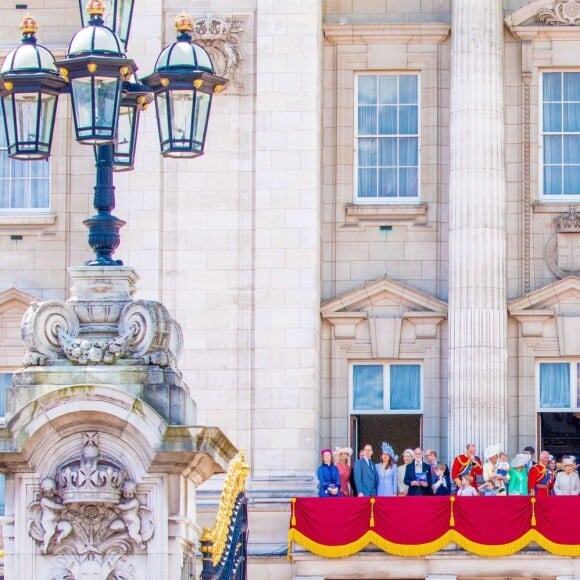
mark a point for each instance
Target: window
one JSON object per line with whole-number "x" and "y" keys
{"x": 559, "y": 386}
{"x": 561, "y": 134}
{"x": 5, "y": 385}
{"x": 387, "y": 138}
{"x": 24, "y": 185}
{"x": 386, "y": 388}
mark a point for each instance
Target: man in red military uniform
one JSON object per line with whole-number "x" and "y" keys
{"x": 467, "y": 464}
{"x": 540, "y": 476}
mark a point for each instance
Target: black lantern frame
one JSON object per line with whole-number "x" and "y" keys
{"x": 97, "y": 75}
{"x": 118, "y": 15}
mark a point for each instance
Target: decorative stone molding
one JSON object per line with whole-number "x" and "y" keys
{"x": 564, "y": 12}
{"x": 385, "y": 214}
{"x": 562, "y": 251}
{"x": 100, "y": 324}
{"x": 89, "y": 517}
{"x": 223, "y": 41}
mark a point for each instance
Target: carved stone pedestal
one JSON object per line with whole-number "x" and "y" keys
{"x": 100, "y": 449}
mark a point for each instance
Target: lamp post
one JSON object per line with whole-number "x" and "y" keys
{"x": 107, "y": 100}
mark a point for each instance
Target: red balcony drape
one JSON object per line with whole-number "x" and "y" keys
{"x": 416, "y": 526}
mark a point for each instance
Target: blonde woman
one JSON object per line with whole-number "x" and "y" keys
{"x": 407, "y": 458}
{"x": 342, "y": 457}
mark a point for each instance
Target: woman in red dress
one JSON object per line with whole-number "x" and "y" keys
{"x": 342, "y": 457}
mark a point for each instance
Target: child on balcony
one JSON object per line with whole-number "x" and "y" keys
{"x": 466, "y": 489}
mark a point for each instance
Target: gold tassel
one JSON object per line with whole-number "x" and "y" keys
{"x": 293, "y": 519}
{"x": 372, "y": 522}
{"x": 533, "y": 512}
{"x": 452, "y": 517}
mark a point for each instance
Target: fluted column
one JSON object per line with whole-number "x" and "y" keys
{"x": 477, "y": 231}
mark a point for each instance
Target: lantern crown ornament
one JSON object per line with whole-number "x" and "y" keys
{"x": 29, "y": 87}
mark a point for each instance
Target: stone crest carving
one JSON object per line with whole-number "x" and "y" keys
{"x": 89, "y": 518}
{"x": 563, "y": 249}
{"x": 564, "y": 12}
{"x": 223, "y": 40}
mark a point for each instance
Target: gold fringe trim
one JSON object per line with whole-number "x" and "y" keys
{"x": 557, "y": 549}
{"x": 329, "y": 551}
{"x": 411, "y": 550}
{"x": 492, "y": 551}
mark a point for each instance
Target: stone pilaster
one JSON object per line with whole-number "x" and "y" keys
{"x": 477, "y": 236}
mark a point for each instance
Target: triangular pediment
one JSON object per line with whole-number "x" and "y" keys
{"x": 384, "y": 296}
{"x": 14, "y": 301}
{"x": 562, "y": 295}
{"x": 554, "y": 15}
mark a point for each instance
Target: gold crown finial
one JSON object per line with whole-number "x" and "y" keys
{"x": 28, "y": 25}
{"x": 184, "y": 23}
{"x": 96, "y": 7}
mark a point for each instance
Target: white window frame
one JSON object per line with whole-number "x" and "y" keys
{"x": 386, "y": 200}
{"x": 29, "y": 179}
{"x": 386, "y": 388}
{"x": 574, "y": 387}
{"x": 543, "y": 196}
{"x": 3, "y": 393}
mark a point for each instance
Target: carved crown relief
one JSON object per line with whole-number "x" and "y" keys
{"x": 564, "y": 12}
{"x": 563, "y": 249}
{"x": 89, "y": 518}
{"x": 223, "y": 41}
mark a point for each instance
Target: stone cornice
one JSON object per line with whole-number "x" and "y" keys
{"x": 417, "y": 33}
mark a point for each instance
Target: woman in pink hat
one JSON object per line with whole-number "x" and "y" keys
{"x": 328, "y": 478}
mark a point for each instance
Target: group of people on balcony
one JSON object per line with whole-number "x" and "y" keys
{"x": 422, "y": 474}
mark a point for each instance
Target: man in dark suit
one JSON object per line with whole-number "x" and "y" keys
{"x": 365, "y": 473}
{"x": 418, "y": 475}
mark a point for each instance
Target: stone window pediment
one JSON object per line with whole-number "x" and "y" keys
{"x": 555, "y": 18}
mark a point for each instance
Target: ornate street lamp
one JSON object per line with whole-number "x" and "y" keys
{"x": 29, "y": 87}
{"x": 183, "y": 84}
{"x": 106, "y": 102}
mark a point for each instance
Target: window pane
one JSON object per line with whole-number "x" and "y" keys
{"x": 572, "y": 149}
{"x": 405, "y": 387}
{"x": 553, "y": 149}
{"x": 553, "y": 118}
{"x": 409, "y": 151}
{"x": 552, "y": 180}
{"x": 388, "y": 120}
{"x": 367, "y": 152}
{"x": 367, "y": 89}
{"x": 367, "y": 120}
{"x": 554, "y": 385}
{"x": 408, "y": 120}
{"x": 387, "y": 90}
{"x": 572, "y": 117}
{"x": 571, "y": 180}
{"x": 5, "y": 385}
{"x": 367, "y": 391}
{"x": 388, "y": 182}
{"x": 367, "y": 182}
{"x": 408, "y": 182}
{"x": 409, "y": 89}
{"x": 388, "y": 152}
{"x": 552, "y": 86}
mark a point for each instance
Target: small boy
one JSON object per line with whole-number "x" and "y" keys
{"x": 442, "y": 485}
{"x": 466, "y": 489}
{"x": 502, "y": 468}
{"x": 487, "y": 488}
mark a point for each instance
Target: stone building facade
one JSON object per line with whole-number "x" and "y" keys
{"x": 381, "y": 241}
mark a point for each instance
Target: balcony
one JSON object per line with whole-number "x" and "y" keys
{"x": 421, "y": 526}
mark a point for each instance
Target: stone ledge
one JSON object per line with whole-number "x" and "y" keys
{"x": 383, "y": 214}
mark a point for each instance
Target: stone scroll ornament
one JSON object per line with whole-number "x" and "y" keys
{"x": 89, "y": 518}
{"x": 146, "y": 334}
{"x": 563, "y": 13}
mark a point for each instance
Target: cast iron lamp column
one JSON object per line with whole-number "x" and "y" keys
{"x": 97, "y": 74}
